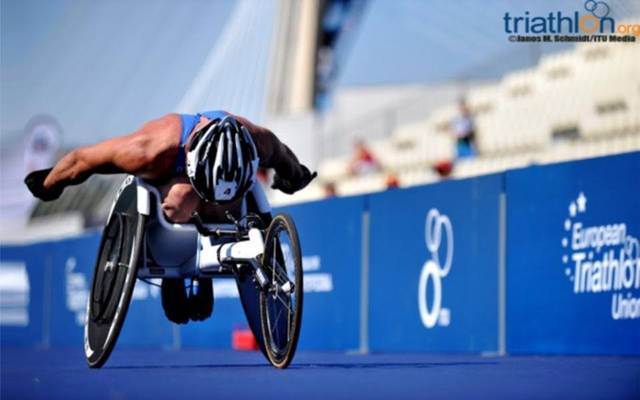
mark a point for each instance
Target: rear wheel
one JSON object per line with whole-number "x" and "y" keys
{"x": 114, "y": 277}
{"x": 281, "y": 300}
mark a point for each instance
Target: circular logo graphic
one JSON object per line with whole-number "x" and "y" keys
{"x": 437, "y": 226}
{"x": 430, "y": 316}
{"x": 433, "y": 237}
{"x": 599, "y": 9}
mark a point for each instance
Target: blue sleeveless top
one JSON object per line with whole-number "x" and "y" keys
{"x": 189, "y": 121}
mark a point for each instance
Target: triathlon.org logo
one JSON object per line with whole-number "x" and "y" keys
{"x": 602, "y": 259}
{"x": 435, "y": 270}
{"x": 594, "y": 20}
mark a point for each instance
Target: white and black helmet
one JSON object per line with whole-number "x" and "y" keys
{"x": 222, "y": 161}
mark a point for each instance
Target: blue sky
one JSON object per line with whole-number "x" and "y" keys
{"x": 101, "y": 68}
{"x": 401, "y": 41}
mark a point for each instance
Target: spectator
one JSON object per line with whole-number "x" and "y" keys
{"x": 392, "y": 181}
{"x": 363, "y": 162}
{"x": 443, "y": 168}
{"x": 329, "y": 190}
{"x": 464, "y": 130}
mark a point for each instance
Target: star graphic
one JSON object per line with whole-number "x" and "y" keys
{"x": 572, "y": 209}
{"x": 582, "y": 203}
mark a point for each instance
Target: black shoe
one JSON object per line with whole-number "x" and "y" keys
{"x": 175, "y": 303}
{"x": 201, "y": 299}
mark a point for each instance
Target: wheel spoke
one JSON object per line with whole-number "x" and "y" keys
{"x": 284, "y": 303}
{"x": 283, "y": 277}
{"x": 273, "y": 264}
{"x": 277, "y": 325}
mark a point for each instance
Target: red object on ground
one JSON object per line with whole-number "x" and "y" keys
{"x": 243, "y": 340}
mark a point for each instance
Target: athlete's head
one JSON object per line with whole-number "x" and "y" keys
{"x": 222, "y": 161}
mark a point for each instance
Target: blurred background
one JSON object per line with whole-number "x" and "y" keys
{"x": 411, "y": 112}
{"x": 371, "y": 93}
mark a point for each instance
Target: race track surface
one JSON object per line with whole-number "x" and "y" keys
{"x": 222, "y": 374}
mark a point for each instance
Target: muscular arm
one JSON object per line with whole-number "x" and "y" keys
{"x": 148, "y": 152}
{"x": 273, "y": 153}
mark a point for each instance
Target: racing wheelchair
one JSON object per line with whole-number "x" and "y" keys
{"x": 260, "y": 251}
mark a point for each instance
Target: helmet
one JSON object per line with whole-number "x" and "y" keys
{"x": 222, "y": 161}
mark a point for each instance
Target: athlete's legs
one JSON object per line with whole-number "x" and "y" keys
{"x": 179, "y": 200}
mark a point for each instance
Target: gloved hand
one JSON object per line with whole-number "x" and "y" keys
{"x": 292, "y": 186}
{"x": 35, "y": 184}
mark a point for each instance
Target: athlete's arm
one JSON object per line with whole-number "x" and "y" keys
{"x": 148, "y": 153}
{"x": 275, "y": 154}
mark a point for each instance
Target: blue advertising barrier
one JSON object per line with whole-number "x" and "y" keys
{"x": 48, "y": 306}
{"x": 330, "y": 236}
{"x": 22, "y": 283}
{"x": 432, "y": 270}
{"x": 573, "y": 277}
{"x": 58, "y": 276}
{"x": 434, "y": 267}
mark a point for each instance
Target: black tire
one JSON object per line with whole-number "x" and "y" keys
{"x": 114, "y": 276}
{"x": 201, "y": 302}
{"x": 179, "y": 307}
{"x": 175, "y": 301}
{"x": 281, "y": 309}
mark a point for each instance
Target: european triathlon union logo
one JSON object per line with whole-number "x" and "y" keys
{"x": 600, "y": 257}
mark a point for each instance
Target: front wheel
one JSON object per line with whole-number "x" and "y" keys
{"x": 281, "y": 300}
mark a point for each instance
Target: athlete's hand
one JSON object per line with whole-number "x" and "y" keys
{"x": 292, "y": 186}
{"x": 35, "y": 184}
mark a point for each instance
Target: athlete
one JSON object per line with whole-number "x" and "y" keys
{"x": 205, "y": 162}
